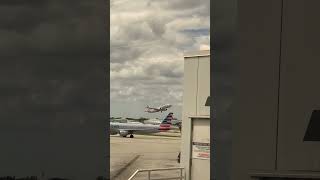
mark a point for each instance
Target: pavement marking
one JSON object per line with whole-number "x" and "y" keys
{"x": 125, "y": 166}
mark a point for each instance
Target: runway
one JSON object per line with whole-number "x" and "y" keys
{"x": 142, "y": 152}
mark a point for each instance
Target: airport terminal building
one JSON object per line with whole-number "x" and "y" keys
{"x": 195, "y": 141}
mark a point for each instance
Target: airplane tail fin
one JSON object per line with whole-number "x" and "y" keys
{"x": 166, "y": 122}
{"x": 147, "y": 108}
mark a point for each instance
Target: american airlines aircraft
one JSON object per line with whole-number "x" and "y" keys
{"x": 125, "y": 129}
{"x": 161, "y": 108}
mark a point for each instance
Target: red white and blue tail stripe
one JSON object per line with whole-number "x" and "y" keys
{"x": 166, "y": 123}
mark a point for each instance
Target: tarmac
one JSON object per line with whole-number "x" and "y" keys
{"x": 144, "y": 152}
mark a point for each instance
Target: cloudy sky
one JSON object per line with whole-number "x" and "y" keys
{"x": 148, "y": 40}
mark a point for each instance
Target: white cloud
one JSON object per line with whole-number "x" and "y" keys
{"x": 148, "y": 39}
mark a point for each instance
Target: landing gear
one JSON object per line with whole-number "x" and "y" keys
{"x": 124, "y": 136}
{"x": 131, "y": 136}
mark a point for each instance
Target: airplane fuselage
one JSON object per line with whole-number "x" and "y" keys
{"x": 159, "y": 109}
{"x": 124, "y": 129}
{"x": 142, "y": 128}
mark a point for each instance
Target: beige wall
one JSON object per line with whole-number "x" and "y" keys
{"x": 196, "y": 91}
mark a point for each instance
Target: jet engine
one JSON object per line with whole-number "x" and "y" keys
{"x": 123, "y": 133}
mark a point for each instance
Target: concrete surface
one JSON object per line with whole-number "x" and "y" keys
{"x": 143, "y": 152}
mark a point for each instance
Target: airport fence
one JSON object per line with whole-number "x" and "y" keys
{"x": 147, "y": 172}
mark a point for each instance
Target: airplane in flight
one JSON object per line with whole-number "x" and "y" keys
{"x": 124, "y": 129}
{"x": 161, "y": 108}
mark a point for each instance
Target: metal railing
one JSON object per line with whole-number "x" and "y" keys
{"x": 181, "y": 177}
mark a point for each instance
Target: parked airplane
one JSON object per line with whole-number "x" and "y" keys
{"x": 141, "y": 120}
{"x": 153, "y": 121}
{"x": 174, "y": 122}
{"x": 125, "y": 129}
{"x": 161, "y": 108}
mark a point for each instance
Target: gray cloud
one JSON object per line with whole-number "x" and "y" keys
{"x": 182, "y": 4}
{"x": 157, "y": 26}
{"x": 148, "y": 39}
{"x": 124, "y": 53}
